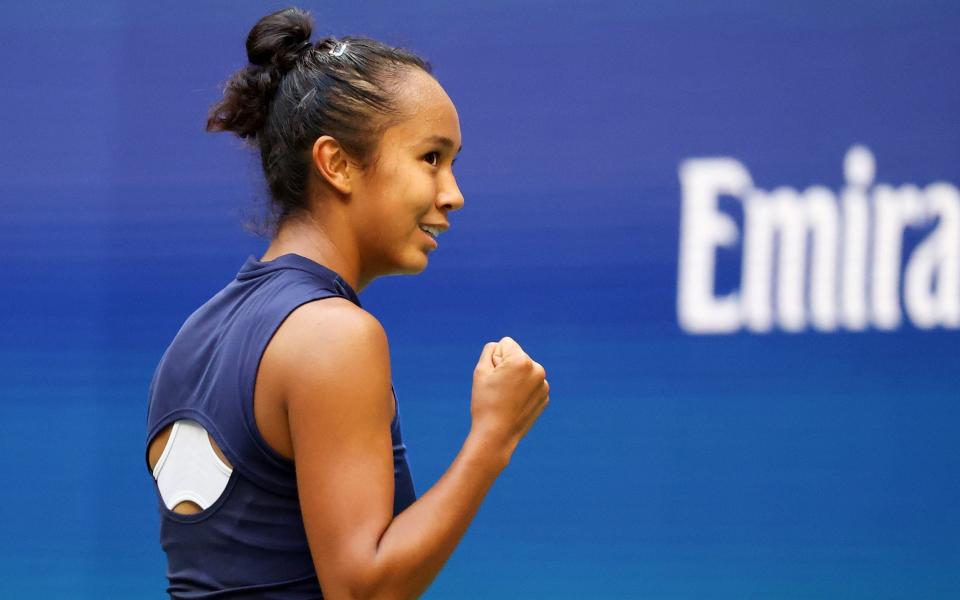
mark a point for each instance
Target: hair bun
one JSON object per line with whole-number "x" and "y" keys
{"x": 279, "y": 39}
{"x": 274, "y": 45}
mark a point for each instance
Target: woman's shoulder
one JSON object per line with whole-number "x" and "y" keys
{"x": 330, "y": 357}
{"x": 331, "y": 337}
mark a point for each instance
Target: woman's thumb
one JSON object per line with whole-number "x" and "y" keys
{"x": 497, "y": 355}
{"x": 487, "y": 360}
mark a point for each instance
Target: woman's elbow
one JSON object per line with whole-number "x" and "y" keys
{"x": 359, "y": 583}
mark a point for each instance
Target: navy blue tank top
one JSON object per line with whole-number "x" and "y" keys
{"x": 251, "y": 542}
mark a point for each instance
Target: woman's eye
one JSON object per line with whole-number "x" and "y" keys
{"x": 433, "y": 158}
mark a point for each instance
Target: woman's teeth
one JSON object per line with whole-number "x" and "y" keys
{"x": 434, "y": 232}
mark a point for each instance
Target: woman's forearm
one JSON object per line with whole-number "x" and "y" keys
{"x": 419, "y": 540}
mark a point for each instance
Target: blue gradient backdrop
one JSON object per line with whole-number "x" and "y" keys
{"x": 668, "y": 465}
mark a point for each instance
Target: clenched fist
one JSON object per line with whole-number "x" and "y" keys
{"x": 510, "y": 390}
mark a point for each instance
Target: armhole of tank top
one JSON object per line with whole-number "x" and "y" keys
{"x": 231, "y": 472}
{"x": 396, "y": 407}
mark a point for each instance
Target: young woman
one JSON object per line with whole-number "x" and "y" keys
{"x": 273, "y": 431}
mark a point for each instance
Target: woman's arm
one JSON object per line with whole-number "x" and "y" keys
{"x": 338, "y": 397}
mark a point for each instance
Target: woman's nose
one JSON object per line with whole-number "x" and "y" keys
{"x": 450, "y": 197}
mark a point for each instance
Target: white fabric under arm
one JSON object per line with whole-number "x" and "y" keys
{"x": 189, "y": 468}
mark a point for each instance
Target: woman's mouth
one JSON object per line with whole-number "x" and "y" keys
{"x": 432, "y": 233}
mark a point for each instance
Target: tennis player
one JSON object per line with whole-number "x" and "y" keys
{"x": 273, "y": 432}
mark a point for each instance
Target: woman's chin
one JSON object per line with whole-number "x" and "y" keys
{"x": 420, "y": 267}
{"x": 414, "y": 264}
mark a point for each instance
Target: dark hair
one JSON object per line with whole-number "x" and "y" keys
{"x": 294, "y": 91}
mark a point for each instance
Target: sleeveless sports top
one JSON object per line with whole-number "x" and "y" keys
{"x": 250, "y": 543}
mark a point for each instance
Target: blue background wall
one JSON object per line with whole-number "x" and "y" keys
{"x": 669, "y": 465}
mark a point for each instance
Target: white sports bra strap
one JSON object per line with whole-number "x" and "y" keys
{"x": 189, "y": 468}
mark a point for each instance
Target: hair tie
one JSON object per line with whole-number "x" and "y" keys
{"x": 338, "y": 49}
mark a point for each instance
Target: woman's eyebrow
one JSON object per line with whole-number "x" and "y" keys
{"x": 443, "y": 141}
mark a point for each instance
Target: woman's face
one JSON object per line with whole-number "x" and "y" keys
{"x": 411, "y": 184}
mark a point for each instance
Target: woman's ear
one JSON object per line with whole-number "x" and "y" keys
{"x": 333, "y": 163}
